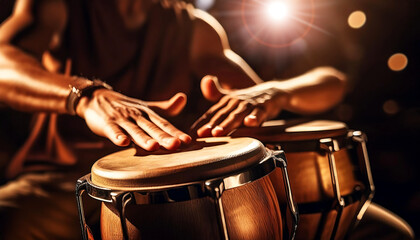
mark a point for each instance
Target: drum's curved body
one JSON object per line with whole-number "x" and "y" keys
{"x": 213, "y": 189}
{"x": 329, "y": 173}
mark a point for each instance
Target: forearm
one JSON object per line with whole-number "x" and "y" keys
{"x": 27, "y": 86}
{"x": 313, "y": 92}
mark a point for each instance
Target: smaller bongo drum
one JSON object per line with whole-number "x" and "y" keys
{"x": 216, "y": 188}
{"x": 329, "y": 173}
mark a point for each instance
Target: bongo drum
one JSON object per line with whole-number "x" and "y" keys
{"x": 329, "y": 173}
{"x": 216, "y": 188}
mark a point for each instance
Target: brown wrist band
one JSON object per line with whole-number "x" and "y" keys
{"x": 77, "y": 93}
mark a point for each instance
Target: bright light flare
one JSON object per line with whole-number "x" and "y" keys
{"x": 277, "y": 10}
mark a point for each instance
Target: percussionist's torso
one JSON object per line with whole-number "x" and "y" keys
{"x": 143, "y": 58}
{"x": 142, "y": 55}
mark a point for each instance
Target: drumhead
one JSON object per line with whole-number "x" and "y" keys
{"x": 293, "y": 130}
{"x": 207, "y": 158}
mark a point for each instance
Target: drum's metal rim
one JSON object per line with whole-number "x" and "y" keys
{"x": 281, "y": 131}
{"x": 305, "y": 145}
{"x": 159, "y": 194}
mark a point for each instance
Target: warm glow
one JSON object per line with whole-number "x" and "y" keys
{"x": 397, "y": 62}
{"x": 204, "y": 4}
{"x": 391, "y": 107}
{"x": 357, "y": 19}
{"x": 277, "y": 10}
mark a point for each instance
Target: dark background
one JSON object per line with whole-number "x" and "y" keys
{"x": 392, "y": 26}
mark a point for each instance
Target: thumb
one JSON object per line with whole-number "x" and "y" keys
{"x": 211, "y": 88}
{"x": 171, "y": 107}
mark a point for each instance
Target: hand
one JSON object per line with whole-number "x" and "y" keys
{"x": 250, "y": 107}
{"x": 122, "y": 119}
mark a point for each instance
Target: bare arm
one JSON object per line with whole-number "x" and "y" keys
{"x": 312, "y": 92}
{"x": 28, "y": 84}
{"x": 25, "y": 84}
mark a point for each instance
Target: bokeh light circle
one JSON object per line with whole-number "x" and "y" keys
{"x": 397, "y": 62}
{"x": 357, "y": 19}
{"x": 204, "y": 4}
{"x": 275, "y": 44}
{"x": 391, "y": 107}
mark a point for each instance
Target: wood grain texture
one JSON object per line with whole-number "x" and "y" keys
{"x": 309, "y": 171}
{"x": 251, "y": 212}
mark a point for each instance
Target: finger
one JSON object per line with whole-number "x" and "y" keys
{"x": 234, "y": 120}
{"x": 116, "y": 135}
{"x": 256, "y": 117}
{"x": 171, "y": 107}
{"x": 211, "y": 88}
{"x": 169, "y": 128}
{"x": 219, "y": 116}
{"x": 139, "y": 137}
{"x": 205, "y": 118}
{"x": 163, "y": 138}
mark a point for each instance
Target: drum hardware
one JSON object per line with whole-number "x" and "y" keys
{"x": 281, "y": 162}
{"x": 328, "y": 208}
{"x": 330, "y": 146}
{"x": 360, "y": 139}
{"x": 213, "y": 188}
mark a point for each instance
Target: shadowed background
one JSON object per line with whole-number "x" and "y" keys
{"x": 382, "y": 102}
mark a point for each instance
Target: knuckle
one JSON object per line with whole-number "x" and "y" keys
{"x": 234, "y": 115}
{"x": 113, "y": 119}
{"x": 165, "y": 124}
{"x": 161, "y": 136}
{"x": 138, "y": 132}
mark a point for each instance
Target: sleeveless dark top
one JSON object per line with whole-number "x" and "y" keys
{"x": 150, "y": 63}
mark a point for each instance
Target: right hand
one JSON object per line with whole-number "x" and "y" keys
{"x": 123, "y": 119}
{"x": 235, "y": 108}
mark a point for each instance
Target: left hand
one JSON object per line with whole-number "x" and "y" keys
{"x": 249, "y": 107}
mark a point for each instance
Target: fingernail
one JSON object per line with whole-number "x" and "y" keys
{"x": 218, "y": 128}
{"x": 252, "y": 116}
{"x": 209, "y": 126}
{"x": 122, "y": 138}
{"x": 217, "y": 131}
{"x": 185, "y": 138}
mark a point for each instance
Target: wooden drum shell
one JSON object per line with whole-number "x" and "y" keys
{"x": 310, "y": 174}
{"x": 310, "y": 180}
{"x": 251, "y": 212}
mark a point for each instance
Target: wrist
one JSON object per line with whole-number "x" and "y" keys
{"x": 81, "y": 90}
